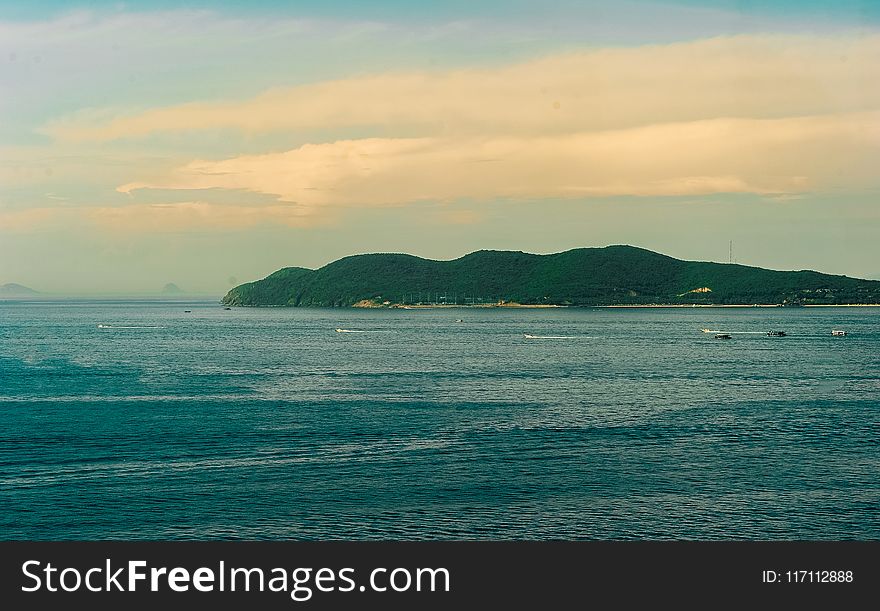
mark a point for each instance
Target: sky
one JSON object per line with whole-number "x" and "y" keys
{"x": 211, "y": 143}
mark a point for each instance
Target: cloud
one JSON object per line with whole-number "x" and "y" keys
{"x": 159, "y": 218}
{"x": 753, "y": 76}
{"x": 15, "y": 221}
{"x": 766, "y": 156}
{"x": 777, "y": 115}
{"x": 193, "y": 216}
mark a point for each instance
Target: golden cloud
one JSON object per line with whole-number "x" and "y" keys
{"x": 754, "y": 76}
{"x": 765, "y": 156}
{"x": 160, "y": 218}
{"x": 770, "y": 114}
{"x": 27, "y": 219}
{"x": 188, "y": 216}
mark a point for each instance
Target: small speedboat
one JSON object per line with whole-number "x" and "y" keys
{"x": 722, "y": 336}
{"x": 838, "y": 333}
{"x": 776, "y": 333}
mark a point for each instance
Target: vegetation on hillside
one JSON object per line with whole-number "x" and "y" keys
{"x": 616, "y": 275}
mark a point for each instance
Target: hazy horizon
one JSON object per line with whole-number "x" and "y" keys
{"x": 209, "y": 144}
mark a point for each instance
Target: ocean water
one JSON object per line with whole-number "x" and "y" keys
{"x": 268, "y": 424}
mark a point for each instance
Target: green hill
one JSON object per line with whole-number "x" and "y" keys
{"x": 585, "y": 276}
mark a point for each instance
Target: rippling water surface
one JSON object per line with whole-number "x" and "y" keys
{"x": 267, "y": 423}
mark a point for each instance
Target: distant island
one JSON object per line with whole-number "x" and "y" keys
{"x": 16, "y": 291}
{"x": 172, "y": 289}
{"x": 614, "y": 275}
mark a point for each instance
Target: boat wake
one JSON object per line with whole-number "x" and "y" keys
{"x": 735, "y": 332}
{"x": 101, "y": 326}
{"x": 528, "y": 336}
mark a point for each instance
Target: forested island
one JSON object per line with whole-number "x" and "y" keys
{"x": 614, "y": 275}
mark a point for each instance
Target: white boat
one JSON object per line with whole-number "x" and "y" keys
{"x": 838, "y": 333}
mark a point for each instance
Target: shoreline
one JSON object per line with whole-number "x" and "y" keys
{"x": 450, "y": 306}
{"x": 755, "y": 305}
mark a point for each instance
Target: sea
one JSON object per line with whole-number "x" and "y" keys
{"x": 185, "y": 420}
